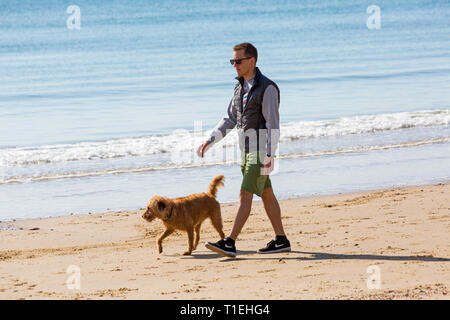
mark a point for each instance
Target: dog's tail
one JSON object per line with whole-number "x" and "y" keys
{"x": 217, "y": 182}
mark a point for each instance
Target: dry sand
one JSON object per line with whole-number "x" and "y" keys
{"x": 404, "y": 232}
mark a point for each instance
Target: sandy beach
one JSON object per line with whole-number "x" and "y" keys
{"x": 383, "y": 244}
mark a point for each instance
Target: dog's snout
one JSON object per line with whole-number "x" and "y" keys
{"x": 147, "y": 215}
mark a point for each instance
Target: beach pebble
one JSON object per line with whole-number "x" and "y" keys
{"x": 32, "y": 229}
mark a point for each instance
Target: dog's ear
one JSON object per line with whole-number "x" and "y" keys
{"x": 165, "y": 208}
{"x": 162, "y": 204}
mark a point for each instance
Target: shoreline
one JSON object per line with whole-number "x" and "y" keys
{"x": 8, "y": 222}
{"x": 401, "y": 231}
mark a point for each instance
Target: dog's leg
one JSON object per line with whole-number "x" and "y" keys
{"x": 216, "y": 220}
{"x": 190, "y": 232}
{"x": 165, "y": 234}
{"x": 197, "y": 235}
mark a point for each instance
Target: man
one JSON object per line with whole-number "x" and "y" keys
{"x": 254, "y": 110}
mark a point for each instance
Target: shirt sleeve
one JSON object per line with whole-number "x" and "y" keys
{"x": 270, "y": 110}
{"x": 225, "y": 125}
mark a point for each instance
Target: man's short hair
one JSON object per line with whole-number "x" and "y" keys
{"x": 250, "y": 50}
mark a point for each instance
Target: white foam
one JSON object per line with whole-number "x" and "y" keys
{"x": 364, "y": 124}
{"x": 182, "y": 140}
{"x": 91, "y": 173}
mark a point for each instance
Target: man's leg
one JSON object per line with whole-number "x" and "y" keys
{"x": 226, "y": 246}
{"x": 250, "y": 172}
{"x": 281, "y": 243}
{"x": 245, "y": 206}
{"x": 273, "y": 210}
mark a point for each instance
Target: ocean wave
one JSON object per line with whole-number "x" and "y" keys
{"x": 365, "y": 124}
{"x": 184, "y": 141}
{"x": 187, "y": 165}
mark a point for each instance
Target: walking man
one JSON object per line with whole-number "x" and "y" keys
{"x": 254, "y": 110}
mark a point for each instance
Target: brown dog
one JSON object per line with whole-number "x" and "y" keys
{"x": 187, "y": 213}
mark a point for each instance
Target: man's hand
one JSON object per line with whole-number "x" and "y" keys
{"x": 268, "y": 164}
{"x": 202, "y": 149}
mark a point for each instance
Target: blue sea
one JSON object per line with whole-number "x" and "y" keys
{"x": 103, "y": 105}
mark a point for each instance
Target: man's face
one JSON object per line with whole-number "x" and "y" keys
{"x": 246, "y": 66}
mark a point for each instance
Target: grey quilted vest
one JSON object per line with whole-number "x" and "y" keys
{"x": 251, "y": 124}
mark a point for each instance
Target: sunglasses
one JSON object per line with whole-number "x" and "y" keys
{"x": 238, "y": 61}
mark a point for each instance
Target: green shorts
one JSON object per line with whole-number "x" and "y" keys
{"x": 253, "y": 181}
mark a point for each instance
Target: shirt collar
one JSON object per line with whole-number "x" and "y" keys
{"x": 255, "y": 78}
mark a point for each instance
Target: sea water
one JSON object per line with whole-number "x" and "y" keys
{"x": 104, "y": 105}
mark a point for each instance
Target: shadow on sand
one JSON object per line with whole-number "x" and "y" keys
{"x": 311, "y": 256}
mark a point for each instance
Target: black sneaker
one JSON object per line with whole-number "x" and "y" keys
{"x": 223, "y": 247}
{"x": 276, "y": 246}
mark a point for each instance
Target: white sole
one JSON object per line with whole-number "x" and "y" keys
{"x": 219, "y": 251}
{"x": 288, "y": 249}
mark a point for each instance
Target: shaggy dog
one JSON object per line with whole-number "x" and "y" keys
{"x": 187, "y": 213}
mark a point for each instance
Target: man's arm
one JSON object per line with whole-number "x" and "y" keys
{"x": 270, "y": 110}
{"x": 224, "y": 126}
{"x": 221, "y": 130}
